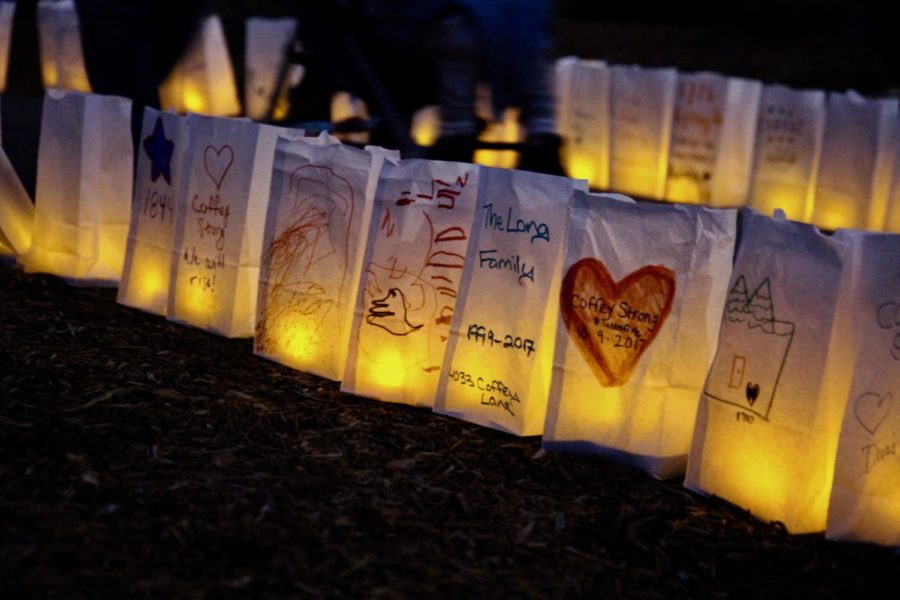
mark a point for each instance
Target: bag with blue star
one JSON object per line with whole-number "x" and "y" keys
{"x": 158, "y": 176}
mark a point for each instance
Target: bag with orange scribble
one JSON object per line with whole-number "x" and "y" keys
{"x": 640, "y": 304}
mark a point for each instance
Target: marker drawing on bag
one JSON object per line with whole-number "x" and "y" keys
{"x": 763, "y": 342}
{"x": 888, "y": 317}
{"x": 307, "y": 261}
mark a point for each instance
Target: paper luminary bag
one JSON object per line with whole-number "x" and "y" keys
{"x": 585, "y": 85}
{"x": 642, "y": 106}
{"x": 770, "y": 411}
{"x": 318, "y": 217}
{"x": 640, "y": 306}
{"x": 7, "y": 11}
{"x": 851, "y": 188}
{"x": 892, "y": 221}
{"x": 865, "y": 495}
{"x": 16, "y": 213}
{"x": 62, "y": 61}
{"x": 203, "y": 79}
{"x": 219, "y": 225}
{"x": 415, "y": 254}
{"x": 499, "y": 356}
{"x": 83, "y": 197}
{"x": 265, "y": 56}
{"x": 713, "y": 132}
{"x": 157, "y": 189}
{"x": 788, "y": 144}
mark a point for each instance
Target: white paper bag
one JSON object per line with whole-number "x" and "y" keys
{"x": 158, "y": 184}
{"x": 892, "y": 222}
{"x": 16, "y": 213}
{"x": 712, "y": 139}
{"x": 416, "y": 250}
{"x": 7, "y": 12}
{"x": 62, "y": 61}
{"x": 865, "y": 495}
{"x": 319, "y": 213}
{"x": 83, "y": 196}
{"x": 265, "y": 55}
{"x": 640, "y": 306}
{"x": 499, "y": 356}
{"x": 642, "y": 106}
{"x": 586, "y": 124}
{"x": 848, "y": 194}
{"x": 788, "y": 145}
{"x": 219, "y": 225}
{"x": 203, "y": 79}
{"x": 768, "y": 419}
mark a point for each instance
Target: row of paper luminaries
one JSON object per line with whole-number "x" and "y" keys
{"x": 705, "y": 138}
{"x": 514, "y": 300}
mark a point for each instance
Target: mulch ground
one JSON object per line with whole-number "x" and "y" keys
{"x": 143, "y": 458}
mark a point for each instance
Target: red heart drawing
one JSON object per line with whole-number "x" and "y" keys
{"x": 612, "y": 323}
{"x": 217, "y": 161}
{"x": 871, "y": 410}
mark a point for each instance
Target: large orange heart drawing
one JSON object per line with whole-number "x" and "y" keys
{"x": 612, "y": 323}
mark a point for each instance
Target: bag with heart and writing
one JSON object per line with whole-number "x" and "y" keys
{"x": 640, "y": 306}
{"x": 642, "y": 104}
{"x": 319, "y": 211}
{"x": 202, "y": 81}
{"x": 788, "y": 144}
{"x": 854, "y": 171}
{"x": 219, "y": 224}
{"x": 415, "y": 254}
{"x": 585, "y": 85}
{"x": 770, "y": 411}
{"x": 713, "y": 132}
{"x": 83, "y": 198}
{"x": 157, "y": 187}
{"x": 865, "y": 495}
{"x": 62, "y": 59}
{"x": 499, "y": 356}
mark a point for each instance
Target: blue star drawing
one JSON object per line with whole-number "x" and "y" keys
{"x": 159, "y": 150}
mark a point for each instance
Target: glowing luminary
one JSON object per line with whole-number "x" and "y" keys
{"x": 319, "y": 211}
{"x": 62, "y": 61}
{"x": 157, "y": 190}
{"x": 16, "y": 212}
{"x": 416, "y": 250}
{"x": 769, "y": 415}
{"x": 642, "y": 107}
{"x": 345, "y": 106}
{"x": 788, "y": 144}
{"x": 865, "y": 496}
{"x": 711, "y": 154}
{"x": 846, "y": 191}
{"x": 7, "y": 11}
{"x": 83, "y": 197}
{"x": 497, "y": 368}
{"x": 584, "y": 120}
{"x": 265, "y": 56}
{"x": 639, "y": 310}
{"x": 219, "y": 225}
{"x": 203, "y": 79}
{"x": 426, "y": 125}
{"x": 892, "y": 221}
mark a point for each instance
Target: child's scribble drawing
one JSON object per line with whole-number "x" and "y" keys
{"x": 613, "y": 323}
{"x": 753, "y": 349}
{"x": 389, "y": 313}
{"x": 306, "y": 263}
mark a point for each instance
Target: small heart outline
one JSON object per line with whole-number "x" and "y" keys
{"x": 869, "y": 412}
{"x": 218, "y": 169}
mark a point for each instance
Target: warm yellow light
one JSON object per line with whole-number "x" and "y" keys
{"x": 833, "y": 219}
{"x": 194, "y": 101}
{"x": 682, "y": 190}
{"x": 506, "y": 130}
{"x": 388, "y": 368}
{"x": 582, "y": 167}
{"x": 426, "y": 126}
